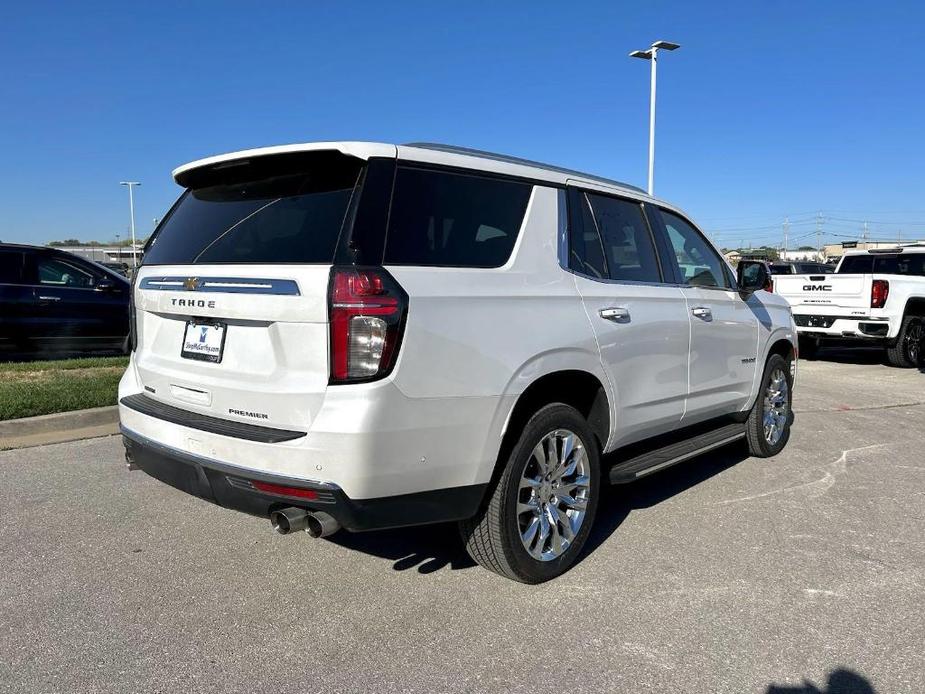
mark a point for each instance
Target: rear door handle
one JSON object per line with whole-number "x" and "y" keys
{"x": 615, "y": 313}
{"x": 49, "y": 298}
{"x": 702, "y": 312}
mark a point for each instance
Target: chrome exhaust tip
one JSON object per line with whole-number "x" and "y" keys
{"x": 289, "y": 520}
{"x": 321, "y": 524}
{"x": 130, "y": 463}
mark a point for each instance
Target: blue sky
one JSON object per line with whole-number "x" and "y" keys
{"x": 767, "y": 110}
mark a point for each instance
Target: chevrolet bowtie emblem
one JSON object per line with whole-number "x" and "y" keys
{"x": 192, "y": 283}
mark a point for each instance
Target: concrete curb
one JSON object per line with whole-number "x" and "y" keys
{"x": 62, "y": 426}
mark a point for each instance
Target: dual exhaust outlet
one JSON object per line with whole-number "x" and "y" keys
{"x": 315, "y": 523}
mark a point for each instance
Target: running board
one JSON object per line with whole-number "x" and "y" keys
{"x": 660, "y": 458}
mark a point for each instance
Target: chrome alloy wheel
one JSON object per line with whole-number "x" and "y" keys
{"x": 553, "y": 496}
{"x": 776, "y": 406}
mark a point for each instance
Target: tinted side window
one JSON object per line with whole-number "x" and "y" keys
{"x": 856, "y": 265}
{"x": 62, "y": 272}
{"x": 699, "y": 264}
{"x": 586, "y": 254}
{"x": 11, "y": 267}
{"x": 628, "y": 245}
{"x": 906, "y": 264}
{"x": 453, "y": 220}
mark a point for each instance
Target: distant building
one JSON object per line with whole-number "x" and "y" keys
{"x": 797, "y": 256}
{"x": 733, "y": 257}
{"x": 837, "y": 250}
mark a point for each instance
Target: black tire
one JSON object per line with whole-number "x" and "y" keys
{"x": 492, "y": 537}
{"x": 758, "y": 444}
{"x": 906, "y": 352}
{"x": 809, "y": 347}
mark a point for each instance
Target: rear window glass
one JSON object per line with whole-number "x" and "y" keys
{"x": 279, "y": 215}
{"x": 904, "y": 264}
{"x": 11, "y": 267}
{"x": 781, "y": 270}
{"x": 453, "y": 220}
{"x": 856, "y": 265}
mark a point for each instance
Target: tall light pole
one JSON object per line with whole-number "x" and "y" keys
{"x": 131, "y": 207}
{"x": 652, "y": 55}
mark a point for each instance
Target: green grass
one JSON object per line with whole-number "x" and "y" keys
{"x": 43, "y": 387}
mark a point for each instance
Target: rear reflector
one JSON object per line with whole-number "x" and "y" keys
{"x": 284, "y": 491}
{"x": 879, "y": 292}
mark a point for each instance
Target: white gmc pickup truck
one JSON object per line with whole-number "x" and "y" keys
{"x": 875, "y": 296}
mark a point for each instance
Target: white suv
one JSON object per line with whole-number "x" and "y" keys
{"x": 355, "y": 335}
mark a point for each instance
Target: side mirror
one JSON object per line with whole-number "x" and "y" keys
{"x": 105, "y": 286}
{"x": 752, "y": 275}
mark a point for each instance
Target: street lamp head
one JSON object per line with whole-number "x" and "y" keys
{"x": 129, "y": 183}
{"x": 645, "y": 55}
{"x": 666, "y": 45}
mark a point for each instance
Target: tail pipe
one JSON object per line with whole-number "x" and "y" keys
{"x": 315, "y": 523}
{"x": 321, "y": 524}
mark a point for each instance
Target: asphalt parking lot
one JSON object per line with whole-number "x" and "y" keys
{"x": 802, "y": 573}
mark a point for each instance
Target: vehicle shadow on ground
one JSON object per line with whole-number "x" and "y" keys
{"x": 427, "y": 548}
{"x": 618, "y": 501}
{"x": 840, "y": 681}
{"x": 434, "y": 547}
{"x": 864, "y": 356}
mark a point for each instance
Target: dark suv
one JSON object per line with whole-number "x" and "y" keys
{"x": 52, "y": 301}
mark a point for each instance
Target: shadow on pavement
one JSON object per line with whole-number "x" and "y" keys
{"x": 851, "y": 355}
{"x": 434, "y": 547}
{"x": 841, "y": 681}
{"x": 428, "y": 548}
{"x": 617, "y": 501}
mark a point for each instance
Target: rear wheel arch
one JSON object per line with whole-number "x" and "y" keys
{"x": 574, "y": 387}
{"x": 915, "y": 307}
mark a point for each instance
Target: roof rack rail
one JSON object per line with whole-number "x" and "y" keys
{"x": 482, "y": 154}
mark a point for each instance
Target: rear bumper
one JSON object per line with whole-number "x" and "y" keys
{"x": 834, "y": 326}
{"x": 232, "y": 487}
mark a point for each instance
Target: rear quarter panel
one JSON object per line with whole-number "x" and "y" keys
{"x": 482, "y": 336}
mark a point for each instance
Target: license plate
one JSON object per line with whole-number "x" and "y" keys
{"x": 203, "y": 341}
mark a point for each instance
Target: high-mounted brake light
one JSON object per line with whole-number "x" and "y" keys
{"x": 879, "y": 292}
{"x": 367, "y": 311}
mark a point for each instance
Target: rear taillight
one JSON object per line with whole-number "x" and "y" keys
{"x": 879, "y": 291}
{"x": 367, "y": 310}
